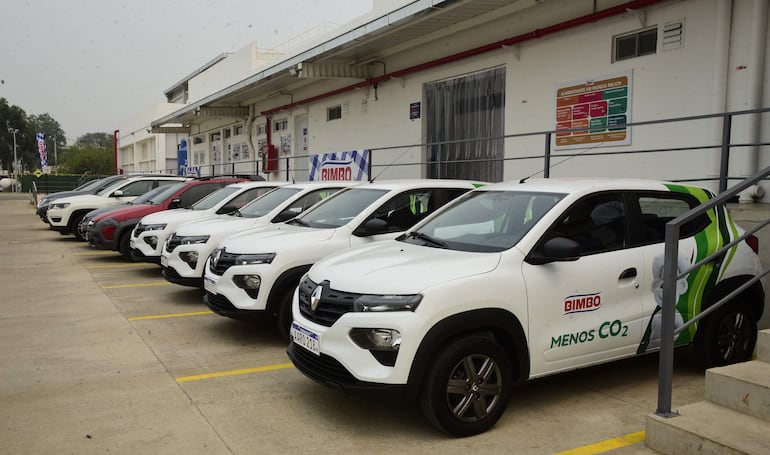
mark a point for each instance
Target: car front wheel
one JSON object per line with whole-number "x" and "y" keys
{"x": 468, "y": 386}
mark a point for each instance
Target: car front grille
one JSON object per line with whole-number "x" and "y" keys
{"x": 332, "y": 306}
{"x": 323, "y": 368}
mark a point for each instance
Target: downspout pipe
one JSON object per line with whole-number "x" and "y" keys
{"x": 722, "y": 34}
{"x": 757, "y": 41}
{"x": 537, "y": 33}
{"x": 250, "y": 138}
{"x": 115, "y": 135}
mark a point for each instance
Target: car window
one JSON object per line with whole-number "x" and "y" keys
{"x": 409, "y": 208}
{"x": 137, "y": 188}
{"x": 597, "y": 223}
{"x": 194, "y": 194}
{"x": 260, "y": 207}
{"x": 657, "y": 209}
{"x": 340, "y": 209}
{"x": 310, "y": 199}
{"x": 215, "y": 198}
{"x": 248, "y": 196}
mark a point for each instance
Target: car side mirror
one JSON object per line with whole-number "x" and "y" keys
{"x": 286, "y": 215}
{"x": 175, "y": 203}
{"x": 557, "y": 249}
{"x": 373, "y": 227}
{"x": 117, "y": 193}
{"x": 227, "y": 209}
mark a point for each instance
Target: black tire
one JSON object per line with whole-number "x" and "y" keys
{"x": 124, "y": 246}
{"x": 74, "y": 223}
{"x": 283, "y": 316}
{"x": 726, "y": 336}
{"x": 468, "y": 386}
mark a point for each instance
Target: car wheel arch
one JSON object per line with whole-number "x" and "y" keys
{"x": 503, "y": 326}
{"x": 286, "y": 282}
{"x": 754, "y": 295}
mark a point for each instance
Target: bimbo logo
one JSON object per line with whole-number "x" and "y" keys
{"x": 581, "y": 303}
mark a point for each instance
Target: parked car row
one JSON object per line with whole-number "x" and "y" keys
{"x": 455, "y": 291}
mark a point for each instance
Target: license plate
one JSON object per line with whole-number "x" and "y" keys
{"x": 164, "y": 260}
{"x": 209, "y": 285}
{"x": 305, "y": 338}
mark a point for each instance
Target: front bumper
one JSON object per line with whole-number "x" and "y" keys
{"x": 172, "y": 276}
{"x": 138, "y": 256}
{"x": 220, "y": 305}
{"x": 139, "y": 243}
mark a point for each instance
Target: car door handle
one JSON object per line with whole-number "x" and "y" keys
{"x": 628, "y": 273}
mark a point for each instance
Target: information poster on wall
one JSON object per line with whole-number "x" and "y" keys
{"x": 349, "y": 166}
{"x": 599, "y": 108}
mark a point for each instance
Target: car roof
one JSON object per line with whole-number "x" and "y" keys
{"x": 257, "y": 184}
{"x": 406, "y": 184}
{"x": 569, "y": 185}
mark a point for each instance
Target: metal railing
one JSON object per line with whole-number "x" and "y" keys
{"x": 670, "y": 277}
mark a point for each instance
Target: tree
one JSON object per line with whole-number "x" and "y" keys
{"x": 82, "y": 158}
{"x": 100, "y": 140}
{"x": 13, "y": 118}
{"x": 54, "y": 135}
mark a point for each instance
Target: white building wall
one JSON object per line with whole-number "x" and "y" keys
{"x": 142, "y": 151}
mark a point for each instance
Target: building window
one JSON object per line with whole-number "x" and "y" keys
{"x": 636, "y": 44}
{"x": 281, "y": 125}
{"x": 215, "y": 136}
{"x": 199, "y": 139}
{"x": 261, "y": 129}
{"x": 227, "y": 132}
{"x": 238, "y": 130}
{"x": 333, "y": 113}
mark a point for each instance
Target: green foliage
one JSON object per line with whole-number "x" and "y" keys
{"x": 14, "y": 118}
{"x": 84, "y": 158}
{"x": 100, "y": 140}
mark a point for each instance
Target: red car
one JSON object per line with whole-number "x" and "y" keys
{"x": 111, "y": 230}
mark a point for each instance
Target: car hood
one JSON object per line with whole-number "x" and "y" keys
{"x": 61, "y": 194}
{"x": 220, "y": 225}
{"x": 277, "y": 237}
{"x": 94, "y": 214}
{"x": 129, "y": 212}
{"x": 393, "y": 267}
{"x": 82, "y": 200}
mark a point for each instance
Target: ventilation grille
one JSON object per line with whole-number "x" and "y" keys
{"x": 673, "y": 35}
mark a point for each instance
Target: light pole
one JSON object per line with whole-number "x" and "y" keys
{"x": 15, "y": 162}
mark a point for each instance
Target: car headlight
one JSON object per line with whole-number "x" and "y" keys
{"x": 43, "y": 203}
{"x": 154, "y": 227}
{"x": 248, "y": 259}
{"x": 193, "y": 239}
{"x": 381, "y": 303}
{"x": 59, "y": 205}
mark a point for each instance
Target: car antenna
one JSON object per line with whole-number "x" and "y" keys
{"x": 524, "y": 180}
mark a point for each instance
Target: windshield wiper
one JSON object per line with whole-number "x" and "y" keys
{"x": 427, "y": 238}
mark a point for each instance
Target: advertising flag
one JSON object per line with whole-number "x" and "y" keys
{"x": 41, "y": 148}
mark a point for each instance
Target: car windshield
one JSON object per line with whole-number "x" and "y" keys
{"x": 484, "y": 221}
{"x": 215, "y": 198}
{"x": 266, "y": 203}
{"x": 88, "y": 186}
{"x": 112, "y": 187}
{"x": 148, "y": 195}
{"x": 340, "y": 209}
{"x": 168, "y": 190}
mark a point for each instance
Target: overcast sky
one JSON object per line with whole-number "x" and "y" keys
{"x": 92, "y": 64}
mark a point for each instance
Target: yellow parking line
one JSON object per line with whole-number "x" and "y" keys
{"x": 96, "y": 253}
{"x": 280, "y": 366}
{"x": 137, "y": 285}
{"x": 607, "y": 445}
{"x": 90, "y": 267}
{"x": 175, "y": 315}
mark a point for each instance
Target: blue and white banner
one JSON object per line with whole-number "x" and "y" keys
{"x": 347, "y": 166}
{"x": 41, "y": 148}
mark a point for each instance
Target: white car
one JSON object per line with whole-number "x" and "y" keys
{"x": 516, "y": 281}
{"x": 255, "y": 273}
{"x": 186, "y": 250}
{"x": 64, "y": 215}
{"x": 153, "y": 230}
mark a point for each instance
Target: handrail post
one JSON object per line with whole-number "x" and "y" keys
{"x": 547, "y": 156}
{"x": 666, "y": 359}
{"x": 725, "y": 158}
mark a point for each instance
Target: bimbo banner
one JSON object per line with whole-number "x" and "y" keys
{"x": 41, "y": 148}
{"x": 347, "y": 166}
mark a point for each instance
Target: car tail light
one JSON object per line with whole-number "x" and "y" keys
{"x": 753, "y": 242}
